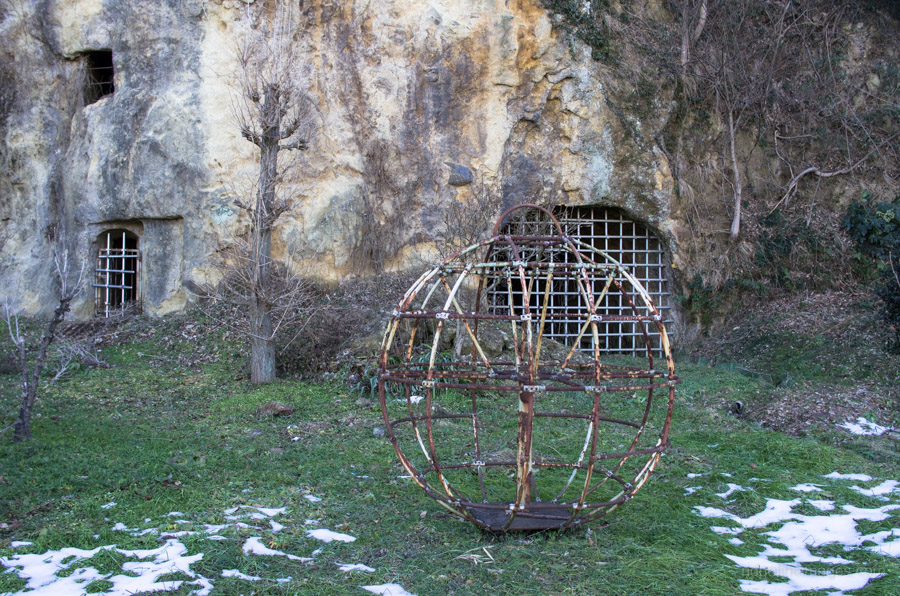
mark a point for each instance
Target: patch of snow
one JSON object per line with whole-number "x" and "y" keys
{"x": 806, "y": 488}
{"x": 183, "y": 521}
{"x": 798, "y": 581}
{"x": 231, "y": 510}
{"x": 272, "y": 512}
{"x": 387, "y": 590}
{"x": 239, "y": 575}
{"x": 857, "y": 477}
{"x": 794, "y": 537}
{"x": 20, "y": 543}
{"x": 328, "y": 536}
{"x": 213, "y": 529}
{"x": 725, "y": 474}
{"x": 216, "y": 537}
{"x": 354, "y": 567}
{"x": 40, "y": 570}
{"x": 318, "y": 551}
{"x": 414, "y": 399}
{"x": 822, "y": 505}
{"x": 864, "y": 427}
{"x": 885, "y": 488}
{"x": 175, "y": 514}
{"x": 253, "y": 546}
{"x": 147, "y": 520}
{"x": 204, "y": 584}
{"x": 108, "y": 505}
{"x": 312, "y": 498}
{"x": 732, "y": 488}
{"x": 694, "y": 475}
{"x": 691, "y": 490}
{"x": 276, "y": 527}
{"x": 120, "y": 527}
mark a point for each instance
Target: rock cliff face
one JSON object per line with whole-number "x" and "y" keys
{"x": 420, "y": 105}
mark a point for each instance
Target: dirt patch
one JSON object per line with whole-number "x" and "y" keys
{"x": 823, "y": 357}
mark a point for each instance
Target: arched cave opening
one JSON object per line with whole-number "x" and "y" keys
{"x": 611, "y": 230}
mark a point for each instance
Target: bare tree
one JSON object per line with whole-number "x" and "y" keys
{"x": 275, "y": 113}
{"x": 31, "y": 374}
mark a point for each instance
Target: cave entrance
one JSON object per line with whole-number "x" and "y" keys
{"x": 117, "y": 275}
{"x": 604, "y": 228}
{"x": 99, "y": 75}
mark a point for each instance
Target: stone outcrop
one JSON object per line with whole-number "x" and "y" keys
{"x": 420, "y": 104}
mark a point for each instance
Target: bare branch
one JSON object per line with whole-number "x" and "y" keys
{"x": 815, "y": 170}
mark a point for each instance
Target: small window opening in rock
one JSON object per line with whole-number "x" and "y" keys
{"x": 629, "y": 242}
{"x": 99, "y": 74}
{"x": 117, "y": 276}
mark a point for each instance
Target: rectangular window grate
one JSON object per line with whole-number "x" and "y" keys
{"x": 628, "y": 242}
{"x": 116, "y": 276}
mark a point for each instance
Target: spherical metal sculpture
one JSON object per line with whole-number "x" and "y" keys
{"x": 499, "y": 397}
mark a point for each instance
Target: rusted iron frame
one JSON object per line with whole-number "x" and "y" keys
{"x": 444, "y": 385}
{"x": 599, "y": 318}
{"x": 588, "y": 489}
{"x": 546, "y": 464}
{"x": 550, "y": 373}
{"x": 413, "y": 416}
{"x": 532, "y": 366}
{"x": 538, "y": 505}
{"x": 498, "y": 373}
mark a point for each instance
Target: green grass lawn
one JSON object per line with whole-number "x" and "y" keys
{"x": 163, "y": 432}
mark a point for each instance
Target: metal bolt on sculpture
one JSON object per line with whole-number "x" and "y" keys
{"x": 503, "y": 426}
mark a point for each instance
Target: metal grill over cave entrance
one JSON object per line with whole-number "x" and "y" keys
{"x": 117, "y": 274}
{"x": 524, "y": 430}
{"x": 606, "y": 229}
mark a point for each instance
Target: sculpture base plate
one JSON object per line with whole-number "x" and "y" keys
{"x": 543, "y": 518}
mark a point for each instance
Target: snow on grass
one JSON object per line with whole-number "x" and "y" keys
{"x": 885, "y": 488}
{"x": 793, "y": 539}
{"x": 857, "y": 477}
{"x": 864, "y": 427}
{"x": 387, "y": 590}
{"x": 691, "y": 490}
{"x": 354, "y": 567}
{"x": 732, "y": 488}
{"x": 312, "y": 498}
{"x": 142, "y": 571}
{"x": 40, "y": 571}
{"x": 253, "y": 546}
{"x": 108, "y": 505}
{"x": 806, "y": 488}
{"x": 329, "y": 536}
{"x": 239, "y": 575}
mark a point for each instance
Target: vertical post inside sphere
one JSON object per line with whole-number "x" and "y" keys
{"x": 524, "y": 460}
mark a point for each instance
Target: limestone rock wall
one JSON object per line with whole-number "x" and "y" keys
{"x": 421, "y": 104}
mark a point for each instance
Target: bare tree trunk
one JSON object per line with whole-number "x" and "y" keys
{"x": 262, "y": 353}
{"x": 22, "y": 429}
{"x": 738, "y": 185}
